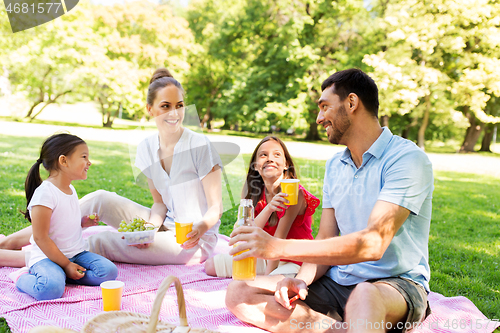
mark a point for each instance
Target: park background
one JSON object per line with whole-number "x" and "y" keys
{"x": 255, "y": 67}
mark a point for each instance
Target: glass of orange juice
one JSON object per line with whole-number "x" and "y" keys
{"x": 112, "y": 295}
{"x": 182, "y": 228}
{"x": 290, "y": 187}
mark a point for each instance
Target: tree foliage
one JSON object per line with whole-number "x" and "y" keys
{"x": 440, "y": 57}
{"x": 257, "y": 65}
{"x": 102, "y": 53}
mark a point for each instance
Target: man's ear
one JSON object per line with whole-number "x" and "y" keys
{"x": 353, "y": 102}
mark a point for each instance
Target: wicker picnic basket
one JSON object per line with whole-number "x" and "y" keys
{"x": 130, "y": 322}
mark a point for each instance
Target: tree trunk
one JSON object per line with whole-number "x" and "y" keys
{"x": 50, "y": 101}
{"x": 30, "y": 112}
{"x": 41, "y": 97}
{"x": 384, "y": 121}
{"x": 313, "y": 133}
{"x": 107, "y": 120}
{"x": 206, "y": 117}
{"x": 473, "y": 132}
{"x": 425, "y": 122}
{"x": 406, "y": 132}
{"x": 226, "y": 125}
{"x": 111, "y": 115}
{"x": 488, "y": 137}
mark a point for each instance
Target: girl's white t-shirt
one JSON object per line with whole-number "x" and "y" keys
{"x": 181, "y": 190}
{"x": 65, "y": 223}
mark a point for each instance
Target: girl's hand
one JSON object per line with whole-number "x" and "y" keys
{"x": 90, "y": 221}
{"x": 74, "y": 271}
{"x": 194, "y": 236}
{"x": 278, "y": 202}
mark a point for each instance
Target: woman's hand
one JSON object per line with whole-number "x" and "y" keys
{"x": 74, "y": 271}
{"x": 278, "y": 202}
{"x": 90, "y": 221}
{"x": 194, "y": 236}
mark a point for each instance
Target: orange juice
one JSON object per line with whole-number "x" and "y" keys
{"x": 290, "y": 187}
{"x": 181, "y": 231}
{"x": 245, "y": 269}
{"x": 112, "y": 295}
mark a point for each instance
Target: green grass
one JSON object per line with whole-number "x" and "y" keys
{"x": 4, "y": 328}
{"x": 130, "y": 125}
{"x": 453, "y": 146}
{"x": 464, "y": 246}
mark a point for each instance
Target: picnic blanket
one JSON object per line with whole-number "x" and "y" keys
{"x": 204, "y": 301}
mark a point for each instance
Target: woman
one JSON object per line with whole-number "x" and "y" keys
{"x": 184, "y": 177}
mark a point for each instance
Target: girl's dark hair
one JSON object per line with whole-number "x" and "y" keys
{"x": 254, "y": 184}
{"x": 53, "y": 147}
{"x": 160, "y": 79}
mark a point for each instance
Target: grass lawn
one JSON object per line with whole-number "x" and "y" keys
{"x": 464, "y": 245}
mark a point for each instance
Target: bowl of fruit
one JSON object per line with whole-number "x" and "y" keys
{"x": 137, "y": 231}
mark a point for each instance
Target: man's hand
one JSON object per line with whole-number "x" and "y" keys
{"x": 287, "y": 288}
{"x": 258, "y": 243}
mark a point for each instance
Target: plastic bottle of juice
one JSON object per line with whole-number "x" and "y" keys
{"x": 245, "y": 269}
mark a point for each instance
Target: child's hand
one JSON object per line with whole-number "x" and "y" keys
{"x": 90, "y": 221}
{"x": 194, "y": 235}
{"x": 74, "y": 271}
{"x": 278, "y": 202}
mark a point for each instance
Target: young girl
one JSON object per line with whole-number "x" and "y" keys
{"x": 58, "y": 253}
{"x": 270, "y": 163}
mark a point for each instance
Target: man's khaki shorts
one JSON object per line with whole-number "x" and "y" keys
{"x": 329, "y": 298}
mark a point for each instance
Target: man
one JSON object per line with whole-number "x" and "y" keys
{"x": 367, "y": 270}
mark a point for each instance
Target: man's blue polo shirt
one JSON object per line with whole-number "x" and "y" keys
{"x": 393, "y": 170}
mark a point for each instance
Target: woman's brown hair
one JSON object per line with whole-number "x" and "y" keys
{"x": 161, "y": 78}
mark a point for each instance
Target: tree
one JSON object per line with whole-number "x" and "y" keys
{"x": 43, "y": 66}
{"x": 492, "y": 108}
{"x": 262, "y": 57}
{"x": 114, "y": 85}
{"x": 132, "y": 43}
{"x": 434, "y": 51}
{"x": 211, "y": 64}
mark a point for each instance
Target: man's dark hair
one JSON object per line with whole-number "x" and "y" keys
{"x": 355, "y": 81}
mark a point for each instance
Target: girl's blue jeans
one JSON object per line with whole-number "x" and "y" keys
{"x": 46, "y": 279}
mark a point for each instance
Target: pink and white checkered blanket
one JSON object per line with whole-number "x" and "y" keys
{"x": 204, "y": 302}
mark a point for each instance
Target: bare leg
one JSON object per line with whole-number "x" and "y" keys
{"x": 112, "y": 208}
{"x": 16, "y": 240}
{"x": 209, "y": 267}
{"x": 12, "y": 258}
{"x": 374, "y": 307}
{"x": 253, "y": 302}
